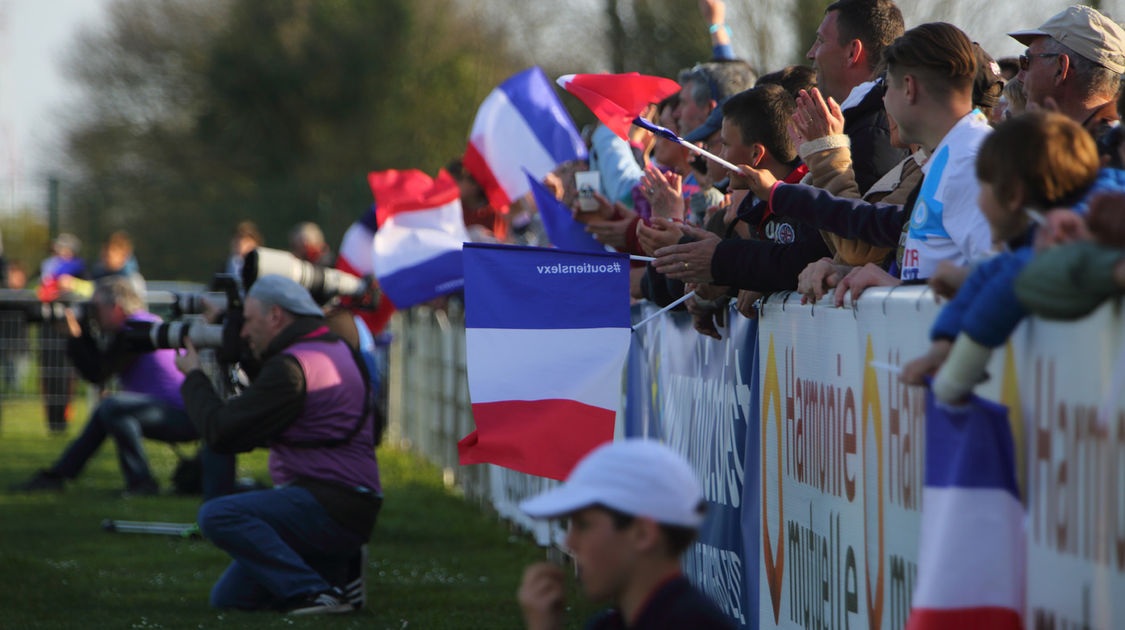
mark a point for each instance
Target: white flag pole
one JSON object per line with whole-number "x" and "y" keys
{"x": 663, "y": 310}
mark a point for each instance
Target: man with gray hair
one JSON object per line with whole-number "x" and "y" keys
{"x": 148, "y": 406}
{"x": 1075, "y": 59}
{"x": 705, "y": 87}
{"x": 296, "y": 548}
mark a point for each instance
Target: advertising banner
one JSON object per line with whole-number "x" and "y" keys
{"x": 699, "y": 396}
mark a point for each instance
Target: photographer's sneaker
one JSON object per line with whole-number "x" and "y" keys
{"x": 326, "y": 602}
{"x": 356, "y": 587}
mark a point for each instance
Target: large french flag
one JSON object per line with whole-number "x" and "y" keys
{"x": 417, "y": 246}
{"x": 972, "y": 552}
{"x": 547, "y": 335}
{"x": 521, "y": 125}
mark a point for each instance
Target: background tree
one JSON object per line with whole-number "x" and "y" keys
{"x": 206, "y": 112}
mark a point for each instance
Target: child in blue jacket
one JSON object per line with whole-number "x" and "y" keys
{"x": 1030, "y": 164}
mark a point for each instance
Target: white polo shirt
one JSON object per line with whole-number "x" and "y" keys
{"x": 947, "y": 223}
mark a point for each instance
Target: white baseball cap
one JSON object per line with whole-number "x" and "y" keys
{"x": 636, "y": 477}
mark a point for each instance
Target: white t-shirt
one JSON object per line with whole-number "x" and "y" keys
{"x": 947, "y": 223}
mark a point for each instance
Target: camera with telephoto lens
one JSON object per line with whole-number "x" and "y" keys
{"x": 322, "y": 283}
{"x": 224, "y": 338}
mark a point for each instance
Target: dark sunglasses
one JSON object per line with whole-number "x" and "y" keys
{"x": 1025, "y": 60}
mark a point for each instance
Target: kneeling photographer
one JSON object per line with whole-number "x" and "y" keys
{"x": 297, "y": 547}
{"x": 149, "y": 404}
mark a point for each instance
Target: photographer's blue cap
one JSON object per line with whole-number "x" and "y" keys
{"x": 286, "y": 293}
{"x": 713, "y": 123}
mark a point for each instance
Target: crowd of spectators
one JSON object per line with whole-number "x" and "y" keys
{"x": 902, "y": 156}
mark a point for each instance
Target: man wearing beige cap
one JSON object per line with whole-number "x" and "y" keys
{"x": 1076, "y": 58}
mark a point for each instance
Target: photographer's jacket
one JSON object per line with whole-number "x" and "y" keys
{"x": 306, "y": 405}
{"x": 150, "y": 373}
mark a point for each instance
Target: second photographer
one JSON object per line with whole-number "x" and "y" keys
{"x": 149, "y": 405}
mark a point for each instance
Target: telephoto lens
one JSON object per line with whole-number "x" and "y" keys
{"x": 322, "y": 283}
{"x": 149, "y": 336}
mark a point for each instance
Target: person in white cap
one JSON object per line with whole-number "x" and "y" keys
{"x": 1076, "y": 59}
{"x": 633, "y": 508}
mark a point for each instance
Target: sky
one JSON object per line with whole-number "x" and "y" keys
{"x": 34, "y": 38}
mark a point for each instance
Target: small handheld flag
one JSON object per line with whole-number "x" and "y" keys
{"x": 617, "y": 99}
{"x": 417, "y": 253}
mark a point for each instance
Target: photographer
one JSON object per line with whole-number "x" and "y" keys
{"x": 149, "y": 405}
{"x": 295, "y": 545}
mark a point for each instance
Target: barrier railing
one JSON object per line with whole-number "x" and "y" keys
{"x": 812, "y": 454}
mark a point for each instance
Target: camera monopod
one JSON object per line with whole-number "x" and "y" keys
{"x": 178, "y": 530}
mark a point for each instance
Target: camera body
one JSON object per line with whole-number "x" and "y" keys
{"x": 224, "y": 338}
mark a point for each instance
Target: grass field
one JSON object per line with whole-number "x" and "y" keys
{"x": 436, "y": 561}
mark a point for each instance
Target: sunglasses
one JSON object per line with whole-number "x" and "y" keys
{"x": 1025, "y": 60}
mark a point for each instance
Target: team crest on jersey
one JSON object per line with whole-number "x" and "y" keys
{"x": 921, "y": 213}
{"x": 785, "y": 234}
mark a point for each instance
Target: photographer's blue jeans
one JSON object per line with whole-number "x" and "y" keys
{"x": 128, "y": 417}
{"x": 282, "y": 542}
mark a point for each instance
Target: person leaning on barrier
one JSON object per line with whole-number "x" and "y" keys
{"x": 149, "y": 405}
{"x": 633, "y": 508}
{"x": 295, "y": 548}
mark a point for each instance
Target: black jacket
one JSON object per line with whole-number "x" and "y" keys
{"x": 772, "y": 263}
{"x": 866, "y": 125}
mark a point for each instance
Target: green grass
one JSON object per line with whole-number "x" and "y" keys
{"x": 436, "y": 561}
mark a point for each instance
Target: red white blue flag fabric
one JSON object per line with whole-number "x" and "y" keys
{"x": 561, "y": 228}
{"x": 357, "y": 252}
{"x": 617, "y": 99}
{"x": 547, "y": 334}
{"x": 972, "y": 553}
{"x": 417, "y": 252}
{"x": 521, "y": 125}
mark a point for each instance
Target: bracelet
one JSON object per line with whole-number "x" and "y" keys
{"x": 714, "y": 28}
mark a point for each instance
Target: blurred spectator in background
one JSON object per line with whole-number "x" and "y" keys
{"x": 57, "y": 276}
{"x": 117, "y": 259}
{"x": 245, "y": 239}
{"x": 1009, "y": 67}
{"x": 306, "y": 241}
{"x": 485, "y": 223}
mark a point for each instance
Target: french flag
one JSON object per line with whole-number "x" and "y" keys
{"x": 972, "y": 552}
{"x": 561, "y": 228}
{"x": 617, "y": 99}
{"x": 357, "y": 252}
{"x": 521, "y": 125}
{"x": 547, "y": 335}
{"x": 420, "y": 229}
